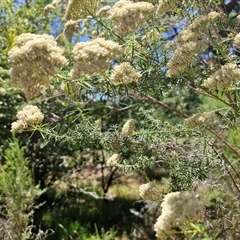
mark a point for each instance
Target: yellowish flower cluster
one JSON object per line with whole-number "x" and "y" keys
{"x": 113, "y": 160}
{"x": 212, "y": 16}
{"x": 79, "y": 9}
{"x": 124, "y": 73}
{"x": 3, "y": 91}
{"x": 127, "y": 15}
{"x": 224, "y": 77}
{"x": 178, "y": 207}
{"x": 128, "y": 128}
{"x": 237, "y": 39}
{"x": 104, "y": 11}
{"x": 198, "y": 119}
{"x": 189, "y": 43}
{"x": 70, "y": 28}
{"x": 178, "y": 63}
{"x": 28, "y": 116}
{"x": 188, "y": 35}
{"x": 94, "y": 57}
{"x": 150, "y": 192}
{"x": 194, "y": 31}
{"x": 34, "y": 59}
{"x": 167, "y": 6}
{"x": 48, "y": 8}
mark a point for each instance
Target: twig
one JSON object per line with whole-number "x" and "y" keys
{"x": 222, "y": 157}
{"x": 94, "y": 194}
{"x": 150, "y": 99}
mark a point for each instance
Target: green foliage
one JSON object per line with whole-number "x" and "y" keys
{"x": 73, "y": 215}
{"x": 18, "y": 194}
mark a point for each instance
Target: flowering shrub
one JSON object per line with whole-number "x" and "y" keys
{"x": 155, "y": 85}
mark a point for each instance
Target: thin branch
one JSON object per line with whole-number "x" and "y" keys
{"x": 207, "y": 93}
{"x": 226, "y": 143}
{"x": 150, "y": 99}
{"x": 224, "y": 159}
{"x": 115, "y": 109}
{"x": 94, "y": 194}
{"x": 110, "y": 179}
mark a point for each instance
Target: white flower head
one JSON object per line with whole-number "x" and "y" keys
{"x": 224, "y": 77}
{"x": 3, "y": 91}
{"x": 178, "y": 207}
{"x": 28, "y": 116}
{"x": 127, "y": 15}
{"x": 34, "y": 59}
{"x": 128, "y": 128}
{"x": 149, "y": 191}
{"x": 94, "y": 57}
{"x": 124, "y": 73}
{"x": 113, "y": 160}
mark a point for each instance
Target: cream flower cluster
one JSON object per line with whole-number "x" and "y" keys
{"x": 113, "y": 160}
{"x": 178, "y": 63}
{"x": 124, "y": 73}
{"x": 34, "y": 59}
{"x": 48, "y": 8}
{"x": 237, "y": 39}
{"x": 79, "y": 9}
{"x": 94, "y": 56}
{"x": 128, "y": 128}
{"x": 70, "y": 28}
{"x": 201, "y": 21}
{"x": 178, "y": 207}
{"x": 224, "y": 77}
{"x": 149, "y": 191}
{"x": 127, "y": 15}
{"x": 167, "y": 6}
{"x": 194, "y": 30}
{"x": 3, "y": 91}
{"x": 189, "y": 43}
{"x": 198, "y": 119}
{"x": 28, "y": 116}
{"x": 104, "y": 11}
